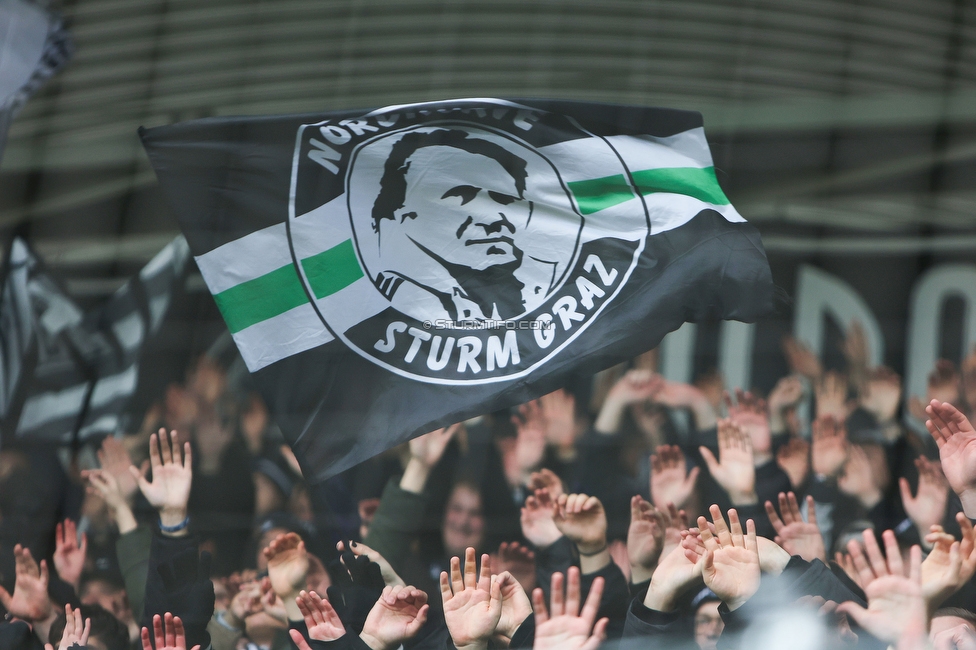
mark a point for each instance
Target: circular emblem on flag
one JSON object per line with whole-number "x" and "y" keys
{"x": 447, "y": 245}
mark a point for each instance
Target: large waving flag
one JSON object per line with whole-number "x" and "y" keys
{"x": 387, "y": 272}
{"x": 33, "y": 46}
{"x": 66, "y": 374}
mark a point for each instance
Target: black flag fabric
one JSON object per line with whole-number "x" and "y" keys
{"x": 388, "y": 272}
{"x": 65, "y": 374}
{"x": 33, "y": 46}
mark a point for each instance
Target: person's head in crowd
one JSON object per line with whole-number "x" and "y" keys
{"x": 708, "y": 622}
{"x": 207, "y": 380}
{"x": 15, "y": 472}
{"x": 107, "y": 591}
{"x": 464, "y": 521}
{"x": 953, "y": 627}
{"x": 107, "y": 632}
{"x": 712, "y": 385}
{"x": 180, "y": 408}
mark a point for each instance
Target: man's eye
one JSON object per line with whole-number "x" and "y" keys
{"x": 503, "y": 199}
{"x": 466, "y": 192}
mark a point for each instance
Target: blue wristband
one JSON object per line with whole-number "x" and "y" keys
{"x": 174, "y": 529}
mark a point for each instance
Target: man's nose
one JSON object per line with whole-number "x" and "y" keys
{"x": 497, "y": 224}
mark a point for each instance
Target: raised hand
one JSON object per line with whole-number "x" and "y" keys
{"x": 830, "y": 448}
{"x": 75, "y": 632}
{"x": 831, "y": 395}
{"x": 859, "y": 480}
{"x": 735, "y": 468}
{"x": 785, "y": 395}
{"x": 172, "y": 475}
{"x": 515, "y": 605}
{"x": 472, "y": 604}
{"x": 677, "y": 521}
{"x": 115, "y": 460}
{"x": 792, "y": 533}
{"x": 425, "y": 452}
{"x": 645, "y": 538}
{"x": 30, "y": 600}
{"x": 170, "y": 636}
{"x": 582, "y": 519}
{"x": 950, "y": 564}
{"x": 956, "y": 438}
{"x": 522, "y": 454}
{"x": 564, "y": 626}
{"x": 794, "y": 459}
{"x": 675, "y": 574}
{"x": 390, "y": 577}
{"x": 69, "y": 554}
{"x": 801, "y": 359}
{"x": 288, "y": 566}
{"x": 927, "y": 508}
{"x": 105, "y": 485}
{"x": 398, "y": 615}
{"x": 751, "y": 415}
{"x": 559, "y": 413}
{"x": 246, "y": 602}
{"x": 321, "y": 619}
{"x": 730, "y": 566}
{"x": 895, "y": 603}
{"x": 518, "y": 560}
{"x": 669, "y": 481}
{"x": 538, "y": 525}
{"x": 548, "y": 480}
{"x": 882, "y": 394}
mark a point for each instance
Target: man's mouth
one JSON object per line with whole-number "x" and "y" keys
{"x": 490, "y": 240}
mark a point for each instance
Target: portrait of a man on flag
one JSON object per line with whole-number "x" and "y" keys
{"x": 453, "y": 222}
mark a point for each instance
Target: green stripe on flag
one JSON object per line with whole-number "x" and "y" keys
{"x": 332, "y": 270}
{"x": 602, "y": 193}
{"x": 262, "y": 298}
{"x": 696, "y": 182}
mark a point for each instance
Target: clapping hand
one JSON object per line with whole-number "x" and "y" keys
{"x": 537, "y": 520}
{"x": 30, "y": 600}
{"x": 734, "y": 470}
{"x": 670, "y": 483}
{"x": 472, "y": 604}
{"x": 564, "y": 626}
{"x": 75, "y": 632}
{"x": 645, "y": 538}
{"x": 174, "y": 637}
{"x": 321, "y": 620}
{"x": 798, "y": 537}
{"x": 172, "y": 475}
{"x": 398, "y": 615}
{"x": 288, "y": 566}
{"x": 950, "y": 564}
{"x": 730, "y": 566}
{"x": 582, "y": 519}
{"x": 830, "y": 448}
{"x": 69, "y": 554}
{"x": 956, "y": 438}
{"x": 927, "y": 508}
{"x": 896, "y": 605}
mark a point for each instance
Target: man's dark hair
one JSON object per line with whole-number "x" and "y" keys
{"x": 112, "y": 633}
{"x": 958, "y": 612}
{"x": 393, "y": 185}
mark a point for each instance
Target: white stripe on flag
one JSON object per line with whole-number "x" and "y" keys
{"x": 54, "y": 405}
{"x": 294, "y": 331}
{"x": 249, "y": 257}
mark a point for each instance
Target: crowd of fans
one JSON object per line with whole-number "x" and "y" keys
{"x": 625, "y": 511}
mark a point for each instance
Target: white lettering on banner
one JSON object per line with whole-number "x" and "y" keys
{"x": 593, "y": 262}
{"x": 928, "y": 300}
{"x": 390, "y": 342}
{"x": 546, "y": 335}
{"x": 419, "y": 336}
{"x": 323, "y": 154}
{"x": 501, "y": 354}
{"x": 469, "y": 347}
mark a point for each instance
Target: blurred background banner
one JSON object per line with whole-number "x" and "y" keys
{"x": 33, "y": 46}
